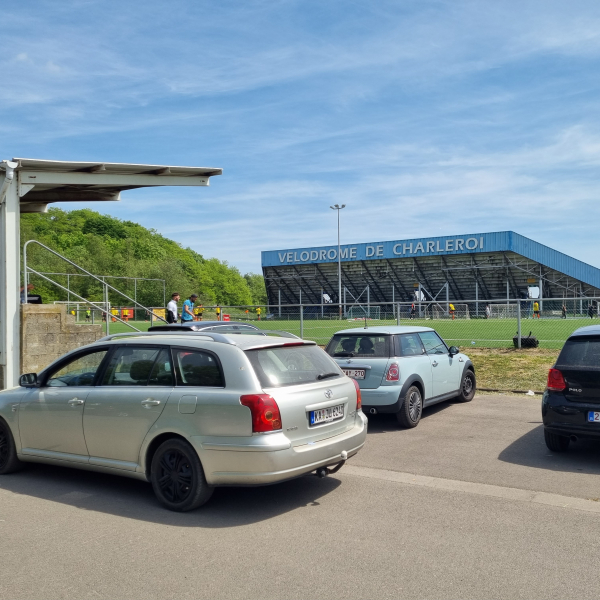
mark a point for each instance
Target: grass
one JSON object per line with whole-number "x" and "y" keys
{"x": 477, "y": 333}
{"x": 510, "y": 369}
{"x": 467, "y": 333}
{"x": 498, "y": 365}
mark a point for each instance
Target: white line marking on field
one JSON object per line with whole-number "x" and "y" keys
{"x": 481, "y": 489}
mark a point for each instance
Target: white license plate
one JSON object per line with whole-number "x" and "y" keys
{"x": 355, "y": 373}
{"x": 594, "y": 417}
{"x": 325, "y": 415}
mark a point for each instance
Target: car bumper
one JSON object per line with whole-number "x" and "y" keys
{"x": 383, "y": 399}
{"x": 567, "y": 418}
{"x": 273, "y": 458}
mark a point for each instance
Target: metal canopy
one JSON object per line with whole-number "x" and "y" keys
{"x": 29, "y": 185}
{"x": 41, "y": 182}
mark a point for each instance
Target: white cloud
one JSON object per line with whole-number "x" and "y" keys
{"x": 423, "y": 117}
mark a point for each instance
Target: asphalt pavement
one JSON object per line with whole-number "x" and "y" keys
{"x": 470, "y": 504}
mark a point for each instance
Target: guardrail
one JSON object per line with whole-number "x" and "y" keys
{"x": 107, "y": 286}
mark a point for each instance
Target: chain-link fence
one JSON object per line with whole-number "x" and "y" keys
{"x": 472, "y": 323}
{"x": 493, "y": 324}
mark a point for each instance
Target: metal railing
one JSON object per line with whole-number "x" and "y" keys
{"x": 27, "y": 270}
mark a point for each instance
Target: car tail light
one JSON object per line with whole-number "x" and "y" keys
{"x": 265, "y": 412}
{"x": 358, "y": 396}
{"x": 393, "y": 373}
{"x": 556, "y": 381}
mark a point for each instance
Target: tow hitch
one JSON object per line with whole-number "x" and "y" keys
{"x": 324, "y": 471}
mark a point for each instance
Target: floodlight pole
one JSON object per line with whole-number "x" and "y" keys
{"x": 339, "y": 208}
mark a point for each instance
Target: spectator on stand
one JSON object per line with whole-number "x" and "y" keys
{"x": 187, "y": 314}
{"x": 218, "y": 311}
{"x": 536, "y": 309}
{"x": 172, "y": 308}
{"x": 563, "y": 312}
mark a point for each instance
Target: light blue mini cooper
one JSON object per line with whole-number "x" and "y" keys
{"x": 402, "y": 370}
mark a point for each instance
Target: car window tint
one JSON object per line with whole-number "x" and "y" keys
{"x": 130, "y": 365}
{"x": 226, "y": 329}
{"x": 580, "y": 352}
{"x": 376, "y": 346}
{"x": 410, "y": 345}
{"x": 162, "y": 373}
{"x": 433, "y": 343}
{"x": 80, "y": 371}
{"x": 278, "y": 367}
{"x": 247, "y": 330}
{"x": 197, "y": 368}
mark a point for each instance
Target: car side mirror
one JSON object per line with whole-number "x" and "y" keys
{"x": 453, "y": 350}
{"x": 28, "y": 380}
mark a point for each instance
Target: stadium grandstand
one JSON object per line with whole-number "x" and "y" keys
{"x": 469, "y": 270}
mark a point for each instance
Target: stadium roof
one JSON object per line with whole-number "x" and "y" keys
{"x": 477, "y": 243}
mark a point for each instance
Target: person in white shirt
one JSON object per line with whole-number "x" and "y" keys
{"x": 172, "y": 310}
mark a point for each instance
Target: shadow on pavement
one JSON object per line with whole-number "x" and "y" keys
{"x": 129, "y": 498}
{"x": 386, "y": 422}
{"x": 530, "y": 450}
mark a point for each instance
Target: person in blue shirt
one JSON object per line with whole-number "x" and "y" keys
{"x": 187, "y": 314}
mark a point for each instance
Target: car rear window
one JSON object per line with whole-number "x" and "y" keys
{"x": 580, "y": 352}
{"x": 292, "y": 365}
{"x": 364, "y": 344}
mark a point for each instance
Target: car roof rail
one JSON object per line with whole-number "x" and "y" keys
{"x": 215, "y": 337}
{"x": 278, "y": 333}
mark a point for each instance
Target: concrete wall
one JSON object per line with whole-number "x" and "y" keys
{"x": 48, "y": 332}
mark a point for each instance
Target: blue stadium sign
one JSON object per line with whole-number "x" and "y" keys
{"x": 462, "y": 244}
{"x": 503, "y": 241}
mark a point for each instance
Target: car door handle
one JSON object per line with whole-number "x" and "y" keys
{"x": 76, "y": 401}
{"x": 150, "y": 402}
{"x": 435, "y": 363}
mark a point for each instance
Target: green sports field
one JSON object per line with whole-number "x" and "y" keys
{"x": 481, "y": 333}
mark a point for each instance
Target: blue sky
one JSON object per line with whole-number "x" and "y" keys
{"x": 424, "y": 117}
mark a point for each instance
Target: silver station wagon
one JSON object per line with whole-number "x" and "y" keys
{"x": 403, "y": 369}
{"x": 186, "y": 412}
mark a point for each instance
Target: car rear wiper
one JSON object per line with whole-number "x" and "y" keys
{"x": 326, "y": 375}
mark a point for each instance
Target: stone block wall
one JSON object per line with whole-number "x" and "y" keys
{"x": 48, "y": 332}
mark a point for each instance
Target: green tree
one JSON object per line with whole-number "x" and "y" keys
{"x": 104, "y": 245}
{"x": 256, "y": 283}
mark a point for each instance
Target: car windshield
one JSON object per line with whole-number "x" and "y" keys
{"x": 373, "y": 345}
{"x": 581, "y": 352}
{"x": 292, "y": 365}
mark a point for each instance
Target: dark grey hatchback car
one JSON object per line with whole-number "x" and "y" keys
{"x": 571, "y": 402}
{"x": 214, "y": 326}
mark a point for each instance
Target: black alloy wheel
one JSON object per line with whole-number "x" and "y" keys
{"x": 468, "y": 387}
{"x": 177, "y": 476}
{"x": 411, "y": 411}
{"x": 9, "y": 463}
{"x": 3, "y": 449}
